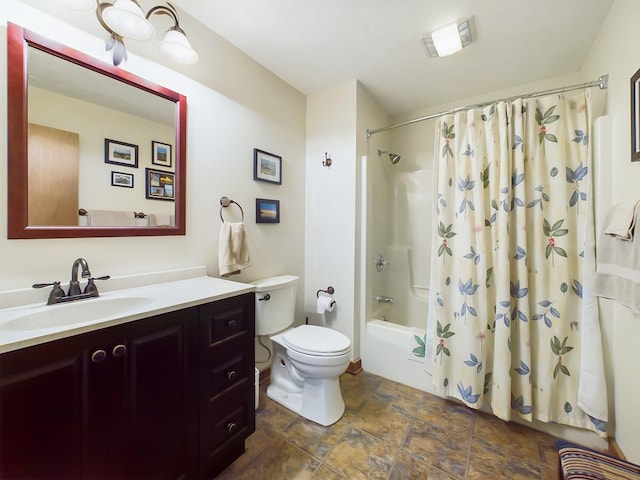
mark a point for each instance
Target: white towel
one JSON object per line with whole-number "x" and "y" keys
{"x": 233, "y": 248}
{"x": 618, "y": 268}
{"x": 622, "y": 220}
{"x": 160, "y": 219}
{"x": 111, "y": 218}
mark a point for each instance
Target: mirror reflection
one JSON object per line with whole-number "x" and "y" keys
{"x": 72, "y": 168}
{"x": 104, "y": 153}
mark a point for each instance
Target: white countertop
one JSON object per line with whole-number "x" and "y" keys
{"x": 146, "y": 301}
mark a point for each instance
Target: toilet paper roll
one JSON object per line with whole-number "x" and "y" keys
{"x": 325, "y": 304}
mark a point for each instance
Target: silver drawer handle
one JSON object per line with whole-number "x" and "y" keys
{"x": 98, "y": 356}
{"x": 119, "y": 350}
{"x": 231, "y": 375}
{"x": 232, "y": 427}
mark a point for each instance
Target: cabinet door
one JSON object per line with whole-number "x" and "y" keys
{"x": 118, "y": 403}
{"x": 160, "y": 431}
{"x": 42, "y": 412}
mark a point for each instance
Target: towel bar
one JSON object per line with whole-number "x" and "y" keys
{"x": 83, "y": 212}
{"x": 225, "y": 202}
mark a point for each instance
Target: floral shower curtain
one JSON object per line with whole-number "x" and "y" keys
{"x": 514, "y": 322}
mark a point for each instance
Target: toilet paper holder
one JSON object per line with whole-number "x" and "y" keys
{"x": 329, "y": 291}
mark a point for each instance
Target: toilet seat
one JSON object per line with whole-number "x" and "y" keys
{"x": 317, "y": 341}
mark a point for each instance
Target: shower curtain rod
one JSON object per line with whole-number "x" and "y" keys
{"x": 602, "y": 83}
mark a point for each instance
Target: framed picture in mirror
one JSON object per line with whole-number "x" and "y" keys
{"x": 120, "y": 153}
{"x": 121, "y": 179}
{"x": 161, "y": 154}
{"x": 160, "y": 185}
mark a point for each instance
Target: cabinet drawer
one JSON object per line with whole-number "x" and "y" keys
{"x": 230, "y": 367}
{"x": 227, "y": 318}
{"x": 231, "y": 423}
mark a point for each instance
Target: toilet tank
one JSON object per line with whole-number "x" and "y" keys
{"x": 275, "y": 303}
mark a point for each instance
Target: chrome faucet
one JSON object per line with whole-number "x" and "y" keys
{"x": 57, "y": 295}
{"x": 383, "y": 299}
{"x": 74, "y": 284}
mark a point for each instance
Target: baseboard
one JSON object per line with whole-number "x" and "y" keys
{"x": 355, "y": 367}
{"x": 614, "y": 449}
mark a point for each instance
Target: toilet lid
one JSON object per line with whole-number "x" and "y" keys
{"x": 315, "y": 340}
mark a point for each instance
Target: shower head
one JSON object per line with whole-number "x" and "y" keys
{"x": 393, "y": 157}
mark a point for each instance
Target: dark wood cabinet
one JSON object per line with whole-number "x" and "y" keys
{"x": 43, "y": 412}
{"x": 128, "y": 401}
{"x": 227, "y": 401}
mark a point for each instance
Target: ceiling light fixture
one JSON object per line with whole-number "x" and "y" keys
{"x": 449, "y": 39}
{"x": 125, "y": 19}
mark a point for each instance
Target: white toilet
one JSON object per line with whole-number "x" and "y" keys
{"x": 307, "y": 360}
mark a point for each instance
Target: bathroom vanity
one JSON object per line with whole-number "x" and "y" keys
{"x": 163, "y": 389}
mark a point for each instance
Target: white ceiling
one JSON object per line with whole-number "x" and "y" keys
{"x": 318, "y": 44}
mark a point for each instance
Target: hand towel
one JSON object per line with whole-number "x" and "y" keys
{"x": 160, "y": 219}
{"x": 618, "y": 267}
{"x": 233, "y": 248}
{"x": 621, "y": 221}
{"x": 111, "y": 218}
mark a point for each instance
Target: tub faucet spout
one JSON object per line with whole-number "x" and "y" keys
{"x": 383, "y": 299}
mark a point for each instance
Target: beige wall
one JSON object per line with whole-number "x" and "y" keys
{"x": 249, "y": 108}
{"x": 331, "y": 203}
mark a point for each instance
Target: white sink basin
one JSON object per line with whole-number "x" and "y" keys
{"x": 73, "y": 313}
{"x": 27, "y": 325}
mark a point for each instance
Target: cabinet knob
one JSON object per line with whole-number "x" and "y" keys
{"x": 119, "y": 350}
{"x": 232, "y": 427}
{"x": 231, "y": 375}
{"x": 231, "y": 324}
{"x": 98, "y": 356}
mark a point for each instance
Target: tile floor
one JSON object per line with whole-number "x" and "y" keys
{"x": 390, "y": 431}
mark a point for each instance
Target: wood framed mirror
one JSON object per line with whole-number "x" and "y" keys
{"x": 83, "y": 161}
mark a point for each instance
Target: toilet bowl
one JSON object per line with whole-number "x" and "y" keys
{"x": 307, "y": 360}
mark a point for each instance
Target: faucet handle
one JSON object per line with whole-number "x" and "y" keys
{"x": 56, "y": 294}
{"x": 42, "y": 285}
{"x": 91, "y": 286}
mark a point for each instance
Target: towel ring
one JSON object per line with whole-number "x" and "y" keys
{"x": 225, "y": 202}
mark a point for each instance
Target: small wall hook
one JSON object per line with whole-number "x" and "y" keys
{"x": 327, "y": 160}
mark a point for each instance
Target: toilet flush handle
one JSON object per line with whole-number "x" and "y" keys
{"x": 266, "y": 297}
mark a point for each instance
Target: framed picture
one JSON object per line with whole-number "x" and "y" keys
{"x": 160, "y": 185}
{"x": 267, "y": 211}
{"x": 120, "y": 179}
{"x": 267, "y": 167}
{"x": 635, "y": 117}
{"x": 161, "y": 154}
{"x": 120, "y": 153}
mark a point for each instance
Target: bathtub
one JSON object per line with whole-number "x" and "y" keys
{"x": 386, "y": 351}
